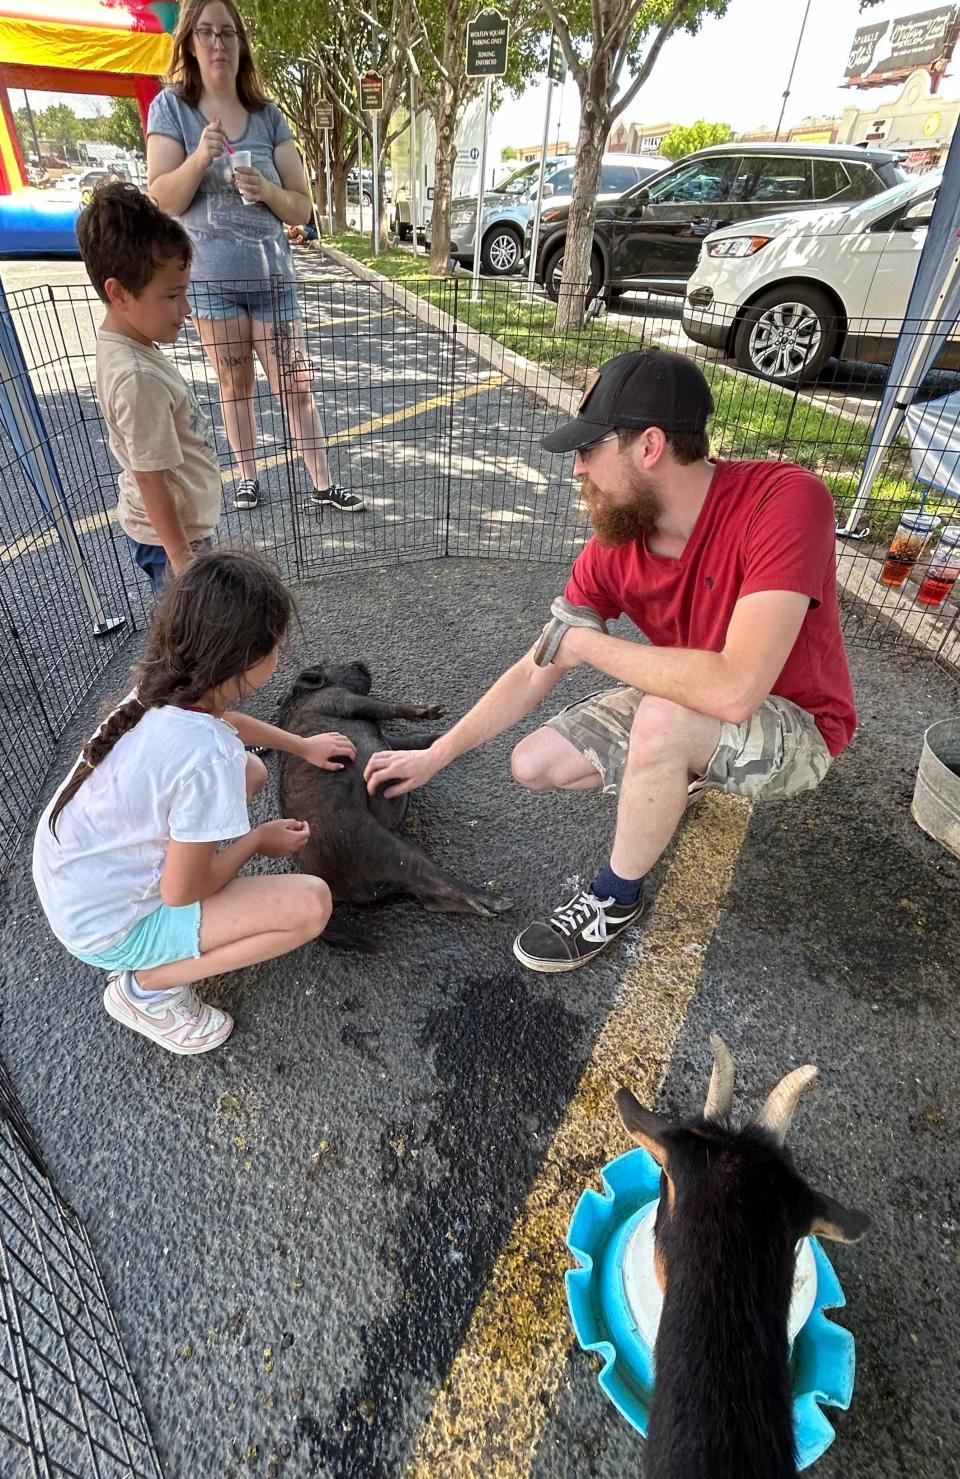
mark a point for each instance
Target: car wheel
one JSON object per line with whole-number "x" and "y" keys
{"x": 553, "y": 273}
{"x": 404, "y": 231}
{"x": 788, "y": 335}
{"x": 501, "y": 252}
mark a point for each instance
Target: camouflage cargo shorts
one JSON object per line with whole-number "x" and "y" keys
{"x": 777, "y": 752}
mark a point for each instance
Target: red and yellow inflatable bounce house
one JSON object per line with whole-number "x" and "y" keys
{"x": 115, "y": 48}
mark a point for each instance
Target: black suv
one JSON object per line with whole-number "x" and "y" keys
{"x": 650, "y": 236}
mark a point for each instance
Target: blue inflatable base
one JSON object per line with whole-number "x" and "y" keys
{"x": 31, "y": 225}
{"x": 823, "y": 1358}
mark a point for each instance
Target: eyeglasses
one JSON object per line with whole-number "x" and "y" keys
{"x": 207, "y": 35}
{"x": 585, "y": 453}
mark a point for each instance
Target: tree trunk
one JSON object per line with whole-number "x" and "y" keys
{"x": 338, "y": 179}
{"x": 384, "y": 221}
{"x": 445, "y": 119}
{"x": 594, "y": 127}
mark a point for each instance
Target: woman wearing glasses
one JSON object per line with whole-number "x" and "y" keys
{"x": 221, "y": 158}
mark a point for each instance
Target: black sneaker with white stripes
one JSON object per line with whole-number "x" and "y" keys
{"x": 337, "y": 497}
{"x": 575, "y": 932}
{"x": 247, "y": 494}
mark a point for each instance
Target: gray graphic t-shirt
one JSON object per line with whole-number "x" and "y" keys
{"x": 232, "y": 242}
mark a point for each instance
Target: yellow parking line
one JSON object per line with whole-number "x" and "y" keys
{"x": 30, "y": 542}
{"x": 378, "y": 422}
{"x": 490, "y": 1412}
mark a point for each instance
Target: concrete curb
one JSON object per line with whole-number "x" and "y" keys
{"x": 542, "y": 383}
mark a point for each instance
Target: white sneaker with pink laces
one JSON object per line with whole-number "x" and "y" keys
{"x": 179, "y": 1021}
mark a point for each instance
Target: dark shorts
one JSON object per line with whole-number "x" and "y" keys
{"x": 152, "y": 560}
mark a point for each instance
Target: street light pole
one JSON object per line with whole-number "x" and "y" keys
{"x": 783, "y": 109}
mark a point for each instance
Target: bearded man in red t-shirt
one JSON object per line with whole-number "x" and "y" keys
{"x": 728, "y": 569}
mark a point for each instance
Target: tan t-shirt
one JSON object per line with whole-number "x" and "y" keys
{"x": 156, "y": 425}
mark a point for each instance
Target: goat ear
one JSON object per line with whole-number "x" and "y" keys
{"x": 643, "y": 1125}
{"x": 833, "y": 1220}
{"x": 308, "y": 679}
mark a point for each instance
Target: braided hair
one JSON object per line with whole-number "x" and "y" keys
{"x": 224, "y": 613}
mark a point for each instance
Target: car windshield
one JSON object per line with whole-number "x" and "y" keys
{"x": 522, "y": 179}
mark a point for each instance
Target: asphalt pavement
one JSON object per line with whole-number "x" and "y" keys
{"x": 309, "y": 1235}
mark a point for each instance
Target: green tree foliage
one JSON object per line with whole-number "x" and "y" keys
{"x": 121, "y": 126}
{"x": 507, "y": 153}
{"x": 700, "y": 135}
{"x": 611, "y": 48}
{"x": 58, "y": 123}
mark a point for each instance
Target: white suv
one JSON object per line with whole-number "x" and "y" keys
{"x": 785, "y": 293}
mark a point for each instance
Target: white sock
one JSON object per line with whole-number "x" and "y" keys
{"x": 136, "y": 992}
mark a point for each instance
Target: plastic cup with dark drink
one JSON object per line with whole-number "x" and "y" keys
{"x": 913, "y": 531}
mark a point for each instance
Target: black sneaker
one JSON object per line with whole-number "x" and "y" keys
{"x": 337, "y": 497}
{"x": 575, "y": 932}
{"x": 247, "y": 494}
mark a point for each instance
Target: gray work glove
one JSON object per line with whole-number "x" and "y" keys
{"x": 564, "y": 616}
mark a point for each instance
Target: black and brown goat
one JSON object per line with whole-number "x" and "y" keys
{"x": 732, "y": 1209}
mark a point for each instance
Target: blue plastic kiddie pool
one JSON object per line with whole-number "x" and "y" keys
{"x": 615, "y": 1306}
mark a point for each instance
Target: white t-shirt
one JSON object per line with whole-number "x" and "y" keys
{"x": 176, "y": 775}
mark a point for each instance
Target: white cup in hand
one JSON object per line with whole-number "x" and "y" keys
{"x": 243, "y": 159}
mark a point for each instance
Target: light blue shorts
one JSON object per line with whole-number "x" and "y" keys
{"x": 215, "y": 300}
{"x": 169, "y": 933}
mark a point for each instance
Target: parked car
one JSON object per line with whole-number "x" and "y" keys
{"x": 353, "y": 186}
{"x": 785, "y": 293}
{"x": 650, "y": 237}
{"x": 509, "y": 206}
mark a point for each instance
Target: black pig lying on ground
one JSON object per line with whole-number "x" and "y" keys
{"x": 353, "y": 836}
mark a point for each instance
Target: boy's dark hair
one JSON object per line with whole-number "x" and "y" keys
{"x": 123, "y": 234}
{"x": 226, "y": 611}
{"x": 686, "y": 446}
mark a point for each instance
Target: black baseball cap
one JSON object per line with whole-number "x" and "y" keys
{"x": 645, "y": 387}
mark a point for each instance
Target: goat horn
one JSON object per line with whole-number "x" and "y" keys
{"x": 777, "y": 1112}
{"x": 720, "y": 1093}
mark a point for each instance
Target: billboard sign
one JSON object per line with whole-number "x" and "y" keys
{"x": 921, "y": 40}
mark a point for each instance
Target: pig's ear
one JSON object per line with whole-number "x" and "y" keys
{"x": 309, "y": 679}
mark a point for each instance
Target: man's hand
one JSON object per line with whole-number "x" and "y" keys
{"x": 399, "y": 771}
{"x": 279, "y": 839}
{"x": 319, "y": 750}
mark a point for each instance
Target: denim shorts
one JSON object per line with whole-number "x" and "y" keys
{"x": 152, "y": 560}
{"x": 214, "y": 300}
{"x": 169, "y": 933}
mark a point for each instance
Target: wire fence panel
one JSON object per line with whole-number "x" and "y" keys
{"x": 432, "y": 406}
{"x": 68, "y": 1403}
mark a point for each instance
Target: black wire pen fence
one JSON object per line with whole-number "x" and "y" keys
{"x": 431, "y": 404}
{"x": 432, "y": 407}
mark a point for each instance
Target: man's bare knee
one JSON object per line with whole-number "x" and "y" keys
{"x": 527, "y": 766}
{"x": 546, "y": 761}
{"x": 665, "y": 733}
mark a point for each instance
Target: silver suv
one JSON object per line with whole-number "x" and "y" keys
{"x": 509, "y": 206}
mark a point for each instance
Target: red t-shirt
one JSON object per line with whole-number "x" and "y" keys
{"x": 764, "y": 526}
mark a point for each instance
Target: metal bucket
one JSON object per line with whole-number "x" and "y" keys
{"x": 936, "y": 796}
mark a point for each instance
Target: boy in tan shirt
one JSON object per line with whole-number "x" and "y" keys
{"x": 138, "y": 259}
